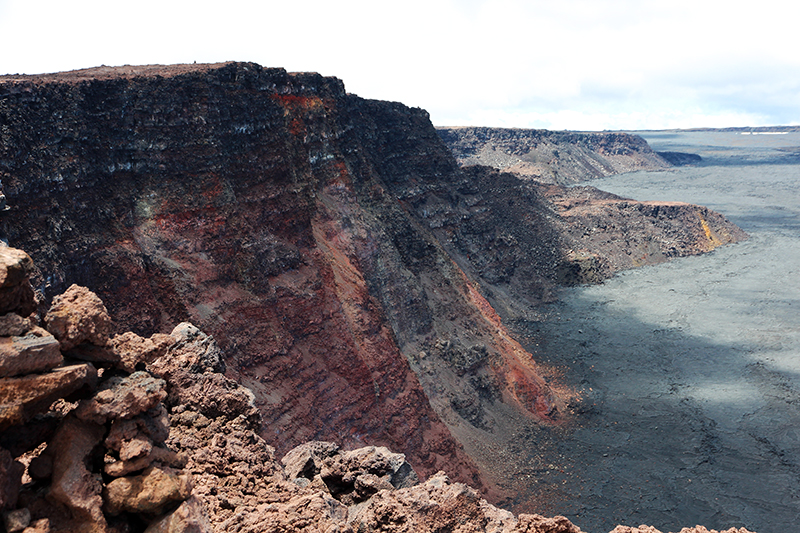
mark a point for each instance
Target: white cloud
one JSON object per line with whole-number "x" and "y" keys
{"x": 576, "y": 64}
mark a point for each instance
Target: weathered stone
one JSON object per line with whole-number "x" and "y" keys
{"x": 121, "y": 398}
{"x": 161, "y": 455}
{"x": 73, "y": 484}
{"x": 10, "y": 479}
{"x": 23, "y": 397}
{"x": 17, "y": 520}
{"x": 189, "y": 517}
{"x": 133, "y": 350}
{"x": 149, "y": 493}
{"x": 13, "y": 325}
{"x": 193, "y": 351}
{"x": 350, "y": 476}
{"x": 16, "y": 293}
{"x": 152, "y": 425}
{"x": 306, "y": 460}
{"x": 78, "y": 316}
{"x": 35, "y": 352}
{"x": 39, "y": 526}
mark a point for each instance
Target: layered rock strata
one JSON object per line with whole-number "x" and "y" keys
{"x": 353, "y": 273}
{"x": 562, "y": 157}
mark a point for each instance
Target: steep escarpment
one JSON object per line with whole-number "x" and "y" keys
{"x": 562, "y": 157}
{"x": 352, "y": 273}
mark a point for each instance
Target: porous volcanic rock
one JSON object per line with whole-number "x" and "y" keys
{"x": 35, "y": 352}
{"x": 16, "y": 292}
{"x": 78, "y": 316}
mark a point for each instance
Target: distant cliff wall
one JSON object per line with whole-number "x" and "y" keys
{"x": 562, "y": 157}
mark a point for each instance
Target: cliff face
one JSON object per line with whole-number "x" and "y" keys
{"x": 562, "y": 157}
{"x": 352, "y": 273}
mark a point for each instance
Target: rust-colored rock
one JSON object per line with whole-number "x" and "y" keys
{"x": 35, "y": 352}
{"x": 696, "y": 529}
{"x": 331, "y": 245}
{"x": 14, "y": 325}
{"x": 134, "y": 351}
{"x": 16, "y": 293}
{"x": 150, "y": 493}
{"x": 78, "y": 316}
{"x": 189, "y": 517}
{"x": 23, "y": 397}
{"x": 123, "y": 397}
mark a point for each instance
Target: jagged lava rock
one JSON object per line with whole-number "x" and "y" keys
{"x": 149, "y": 493}
{"x": 23, "y": 397}
{"x": 16, "y": 293}
{"x": 35, "y": 352}
{"x": 123, "y": 397}
{"x": 133, "y": 350}
{"x": 78, "y": 316}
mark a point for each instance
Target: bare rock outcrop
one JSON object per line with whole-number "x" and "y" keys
{"x": 78, "y": 316}
{"x": 89, "y": 445}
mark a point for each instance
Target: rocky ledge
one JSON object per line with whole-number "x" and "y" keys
{"x": 119, "y": 433}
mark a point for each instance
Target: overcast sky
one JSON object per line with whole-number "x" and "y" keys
{"x": 557, "y": 64}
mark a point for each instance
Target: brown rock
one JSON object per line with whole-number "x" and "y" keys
{"x": 78, "y": 316}
{"x": 121, "y": 398}
{"x": 149, "y": 493}
{"x": 316, "y": 511}
{"x": 10, "y": 479}
{"x": 23, "y": 397}
{"x": 192, "y": 350}
{"x": 152, "y": 425}
{"x": 35, "y": 352}
{"x": 13, "y": 325}
{"x": 156, "y": 454}
{"x": 534, "y": 523}
{"x": 16, "y": 521}
{"x": 306, "y": 460}
{"x": 438, "y": 505}
{"x": 39, "y": 526}
{"x": 189, "y": 517}
{"x": 16, "y": 293}
{"x": 351, "y": 476}
{"x": 133, "y": 350}
{"x": 73, "y": 484}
